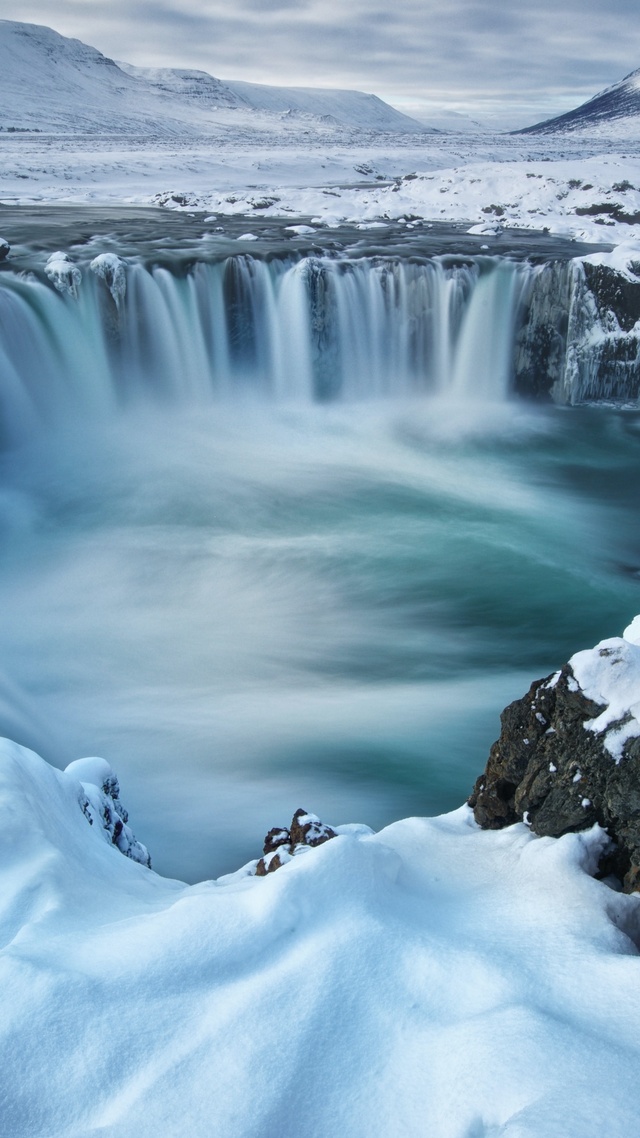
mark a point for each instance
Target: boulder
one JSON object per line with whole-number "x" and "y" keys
{"x": 568, "y": 755}
{"x": 280, "y": 844}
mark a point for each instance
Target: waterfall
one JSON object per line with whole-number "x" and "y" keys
{"x": 314, "y": 328}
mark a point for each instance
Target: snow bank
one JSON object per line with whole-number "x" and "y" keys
{"x": 590, "y": 198}
{"x": 430, "y": 979}
{"x": 609, "y": 674}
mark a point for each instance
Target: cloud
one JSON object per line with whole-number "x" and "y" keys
{"x": 535, "y": 53}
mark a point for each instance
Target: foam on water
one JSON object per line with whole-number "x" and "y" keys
{"x": 262, "y": 548}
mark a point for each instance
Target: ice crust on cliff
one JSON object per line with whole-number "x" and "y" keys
{"x": 430, "y": 979}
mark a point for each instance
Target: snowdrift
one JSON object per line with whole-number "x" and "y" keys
{"x": 434, "y": 978}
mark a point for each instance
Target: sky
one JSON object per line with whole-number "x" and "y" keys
{"x": 527, "y": 60}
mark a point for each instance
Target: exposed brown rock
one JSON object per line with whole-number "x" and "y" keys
{"x": 280, "y": 844}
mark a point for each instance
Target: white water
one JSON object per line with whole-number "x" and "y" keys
{"x": 248, "y": 555}
{"x": 278, "y": 331}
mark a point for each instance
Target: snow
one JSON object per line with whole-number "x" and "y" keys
{"x": 432, "y": 978}
{"x": 111, "y": 269}
{"x": 63, "y": 274}
{"x": 609, "y": 674}
{"x": 77, "y": 127}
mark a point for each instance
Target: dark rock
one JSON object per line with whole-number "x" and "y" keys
{"x": 276, "y": 837}
{"x": 280, "y": 845}
{"x": 547, "y": 770}
{"x": 272, "y": 861}
{"x": 578, "y": 339}
{"x": 5, "y": 249}
{"x": 308, "y": 830}
{"x": 614, "y": 293}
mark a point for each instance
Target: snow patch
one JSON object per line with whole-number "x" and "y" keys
{"x": 609, "y": 674}
{"x": 63, "y": 274}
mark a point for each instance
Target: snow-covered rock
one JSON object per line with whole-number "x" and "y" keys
{"x": 569, "y": 754}
{"x": 63, "y": 274}
{"x": 101, "y": 805}
{"x": 110, "y": 268}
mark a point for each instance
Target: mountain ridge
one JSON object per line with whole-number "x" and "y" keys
{"x": 52, "y": 83}
{"x": 616, "y": 103}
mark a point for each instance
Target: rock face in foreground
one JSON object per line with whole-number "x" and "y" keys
{"x": 569, "y": 755}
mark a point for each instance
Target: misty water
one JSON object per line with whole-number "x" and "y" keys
{"x": 255, "y": 598}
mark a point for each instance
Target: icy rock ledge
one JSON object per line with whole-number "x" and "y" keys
{"x": 568, "y": 755}
{"x": 63, "y": 274}
{"x": 101, "y": 805}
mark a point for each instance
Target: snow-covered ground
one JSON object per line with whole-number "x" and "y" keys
{"x": 433, "y": 978}
{"x": 593, "y": 197}
{"x": 77, "y": 127}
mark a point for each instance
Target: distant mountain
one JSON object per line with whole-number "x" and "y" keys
{"x": 51, "y": 83}
{"x": 197, "y": 87}
{"x": 618, "y": 106}
{"x": 349, "y": 108}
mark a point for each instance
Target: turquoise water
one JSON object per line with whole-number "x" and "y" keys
{"x": 247, "y": 608}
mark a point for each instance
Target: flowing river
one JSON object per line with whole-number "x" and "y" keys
{"x": 275, "y": 532}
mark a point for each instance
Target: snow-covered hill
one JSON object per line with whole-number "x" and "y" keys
{"x": 51, "y": 83}
{"x": 197, "y": 87}
{"x": 349, "y": 108}
{"x": 617, "y": 108}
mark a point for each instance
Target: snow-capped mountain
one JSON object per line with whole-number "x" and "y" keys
{"x": 348, "y": 108}
{"x": 618, "y": 105}
{"x": 51, "y": 83}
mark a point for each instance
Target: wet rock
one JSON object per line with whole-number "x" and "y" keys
{"x": 5, "y": 249}
{"x": 563, "y": 762}
{"x": 281, "y": 845}
{"x": 579, "y": 339}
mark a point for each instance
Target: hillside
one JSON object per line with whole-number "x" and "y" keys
{"x": 54, "y": 84}
{"x": 349, "y": 108}
{"x": 616, "y": 107}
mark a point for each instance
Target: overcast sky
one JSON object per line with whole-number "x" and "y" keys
{"x": 530, "y": 58}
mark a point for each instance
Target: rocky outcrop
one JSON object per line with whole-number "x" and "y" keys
{"x": 100, "y": 803}
{"x": 579, "y": 339}
{"x": 280, "y": 845}
{"x": 568, "y": 755}
{"x": 5, "y": 249}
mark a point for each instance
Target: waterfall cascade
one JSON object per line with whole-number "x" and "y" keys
{"x": 306, "y": 329}
{"x": 313, "y": 328}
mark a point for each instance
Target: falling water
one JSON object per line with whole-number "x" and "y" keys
{"x": 253, "y": 553}
{"x": 314, "y": 329}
